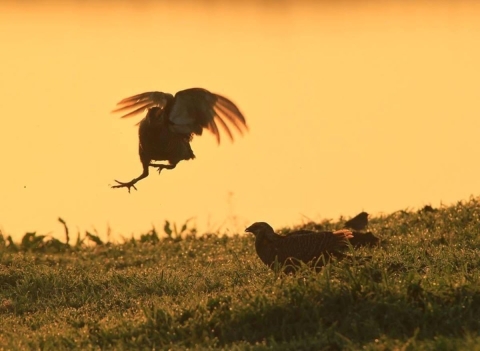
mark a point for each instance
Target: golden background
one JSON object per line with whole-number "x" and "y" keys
{"x": 351, "y": 106}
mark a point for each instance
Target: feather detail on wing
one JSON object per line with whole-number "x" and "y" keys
{"x": 143, "y": 101}
{"x": 196, "y": 108}
{"x": 306, "y": 246}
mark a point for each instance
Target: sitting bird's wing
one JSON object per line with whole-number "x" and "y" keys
{"x": 306, "y": 246}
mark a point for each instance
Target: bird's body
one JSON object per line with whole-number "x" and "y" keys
{"x": 300, "y": 246}
{"x": 157, "y": 142}
{"x": 359, "y": 222}
{"x": 363, "y": 239}
{"x": 171, "y": 121}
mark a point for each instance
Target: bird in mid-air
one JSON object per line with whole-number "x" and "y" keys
{"x": 359, "y": 222}
{"x": 171, "y": 121}
{"x": 299, "y": 246}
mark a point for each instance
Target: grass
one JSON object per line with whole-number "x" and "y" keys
{"x": 179, "y": 290}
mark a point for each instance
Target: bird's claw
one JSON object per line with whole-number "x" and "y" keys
{"x": 127, "y": 185}
{"x": 158, "y": 167}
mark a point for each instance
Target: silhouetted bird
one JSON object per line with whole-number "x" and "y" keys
{"x": 364, "y": 239}
{"x": 359, "y": 222}
{"x": 299, "y": 246}
{"x": 428, "y": 208}
{"x": 167, "y": 129}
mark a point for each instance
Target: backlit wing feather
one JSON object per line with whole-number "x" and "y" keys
{"x": 143, "y": 101}
{"x": 196, "y": 108}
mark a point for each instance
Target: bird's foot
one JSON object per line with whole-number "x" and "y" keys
{"x": 128, "y": 185}
{"x": 158, "y": 167}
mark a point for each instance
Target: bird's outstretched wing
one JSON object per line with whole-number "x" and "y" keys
{"x": 143, "y": 101}
{"x": 193, "y": 109}
{"x": 197, "y": 108}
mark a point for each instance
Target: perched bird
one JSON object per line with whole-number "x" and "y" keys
{"x": 300, "y": 246}
{"x": 359, "y": 222}
{"x": 171, "y": 121}
{"x": 364, "y": 239}
{"x": 428, "y": 208}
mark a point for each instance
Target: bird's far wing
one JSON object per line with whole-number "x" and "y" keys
{"x": 140, "y": 102}
{"x": 196, "y": 108}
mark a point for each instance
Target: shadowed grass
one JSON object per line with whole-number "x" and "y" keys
{"x": 420, "y": 290}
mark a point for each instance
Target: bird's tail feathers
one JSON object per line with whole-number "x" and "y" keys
{"x": 345, "y": 233}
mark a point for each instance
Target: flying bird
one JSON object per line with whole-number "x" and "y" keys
{"x": 171, "y": 121}
{"x": 359, "y": 222}
{"x": 299, "y": 246}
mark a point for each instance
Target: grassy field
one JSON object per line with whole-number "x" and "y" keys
{"x": 170, "y": 290}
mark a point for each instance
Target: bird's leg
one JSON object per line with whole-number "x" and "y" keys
{"x": 162, "y": 166}
{"x": 131, "y": 184}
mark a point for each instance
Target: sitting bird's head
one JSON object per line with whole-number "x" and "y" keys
{"x": 261, "y": 230}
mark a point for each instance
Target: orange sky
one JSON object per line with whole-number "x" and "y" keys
{"x": 368, "y": 107}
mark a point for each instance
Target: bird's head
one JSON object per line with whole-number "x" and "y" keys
{"x": 261, "y": 230}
